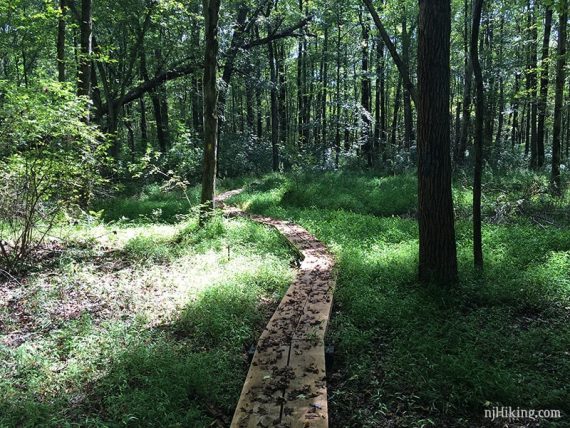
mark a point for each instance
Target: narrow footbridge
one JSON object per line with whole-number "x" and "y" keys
{"x": 286, "y": 383}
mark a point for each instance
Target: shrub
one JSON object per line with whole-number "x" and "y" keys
{"x": 50, "y": 159}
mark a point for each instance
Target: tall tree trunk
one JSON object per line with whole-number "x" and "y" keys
{"x": 499, "y": 136}
{"x": 559, "y": 98}
{"x": 86, "y": 49}
{"x": 543, "y": 87}
{"x": 197, "y": 120}
{"x": 408, "y": 122}
{"x": 274, "y": 108}
{"x": 533, "y": 82}
{"x": 365, "y": 95}
{"x": 61, "y": 41}
{"x": 437, "y": 248}
{"x": 143, "y": 124}
{"x": 465, "y": 115}
{"x": 515, "y": 132}
{"x": 128, "y": 121}
{"x": 211, "y": 10}
{"x": 337, "y": 96}
{"x": 479, "y": 143}
{"x": 282, "y": 97}
{"x": 397, "y": 100}
{"x": 324, "y": 95}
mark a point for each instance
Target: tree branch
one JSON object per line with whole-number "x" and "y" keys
{"x": 402, "y": 67}
{"x": 288, "y": 32}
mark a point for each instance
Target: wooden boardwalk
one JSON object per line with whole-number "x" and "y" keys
{"x": 286, "y": 382}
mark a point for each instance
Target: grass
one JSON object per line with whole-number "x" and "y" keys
{"x": 138, "y": 323}
{"x": 411, "y": 355}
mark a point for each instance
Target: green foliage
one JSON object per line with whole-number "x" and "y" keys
{"x": 408, "y": 355}
{"x": 50, "y": 159}
{"x": 140, "y": 325}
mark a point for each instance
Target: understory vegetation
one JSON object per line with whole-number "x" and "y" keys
{"x": 138, "y": 321}
{"x": 408, "y": 355}
{"x": 136, "y": 304}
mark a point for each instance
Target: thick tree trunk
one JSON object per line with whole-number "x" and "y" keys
{"x": 543, "y": 87}
{"x": 437, "y": 248}
{"x": 211, "y": 9}
{"x": 479, "y": 137}
{"x": 559, "y": 99}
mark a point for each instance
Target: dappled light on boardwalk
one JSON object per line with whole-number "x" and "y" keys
{"x": 286, "y": 383}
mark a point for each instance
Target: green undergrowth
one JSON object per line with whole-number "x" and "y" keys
{"x": 139, "y": 324}
{"x": 409, "y": 355}
{"x": 152, "y": 204}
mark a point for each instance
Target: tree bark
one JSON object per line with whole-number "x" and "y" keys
{"x": 559, "y": 98}
{"x": 543, "y": 87}
{"x": 515, "y": 132}
{"x": 479, "y": 135}
{"x": 274, "y": 108}
{"x": 86, "y": 49}
{"x": 466, "y": 103}
{"x": 396, "y": 111}
{"x": 437, "y": 248}
{"x": 408, "y": 121}
{"x": 533, "y": 144}
{"x": 61, "y": 42}
{"x": 365, "y": 93}
{"x": 211, "y": 10}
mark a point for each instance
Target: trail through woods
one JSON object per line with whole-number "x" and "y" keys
{"x": 286, "y": 382}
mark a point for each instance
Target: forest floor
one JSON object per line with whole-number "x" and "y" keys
{"x": 140, "y": 318}
{"x": 414, "y": 356}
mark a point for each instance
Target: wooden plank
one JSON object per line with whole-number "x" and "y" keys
{"x": 286, "y": 382}
{"x": 306, "y": 395}
{"x": 261, "y": 398}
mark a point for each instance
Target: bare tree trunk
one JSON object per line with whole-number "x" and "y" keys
{"x": 515, "y": 132}
{"x": 543, "y": 87}
{"x": 274, "y": 108}
{"x": 61, "y": 41}
{"x": 533, "y": 90}
{"x": 465, "y": 115}
{"x": 337, "y": 97}
{"x": 559, "y": 99}
{"x": 408, "y": 121}
{"x": 86, "y": 49}
{"x": 365, "y": 95}
{"x": 437, "y": 252}
{"x": 282, "y": 97}
{"x": 143, "y": 124}
{"x": 211, "y": 10}
{"x": 479, "y": 135}
{"x": 397, "y": 100}
{"x": 324, "y": 95}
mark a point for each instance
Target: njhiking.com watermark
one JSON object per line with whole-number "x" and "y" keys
{"x": 514, "y": 414}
